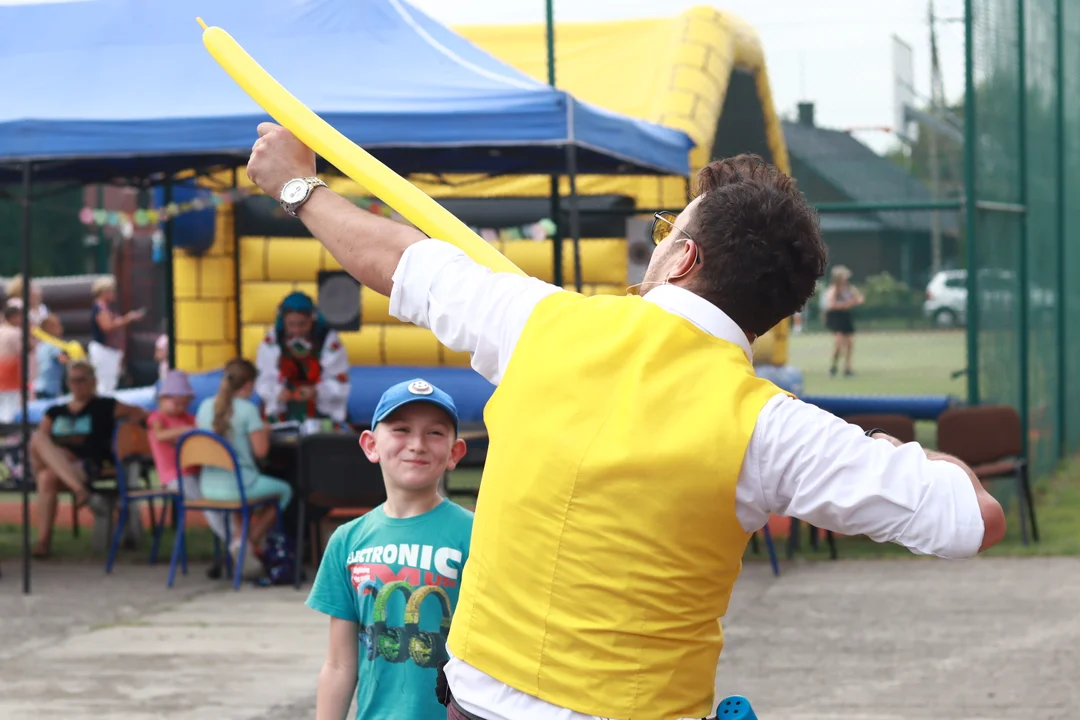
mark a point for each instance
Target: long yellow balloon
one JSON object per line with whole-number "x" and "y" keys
{"x": 70, "y": 347}
{"x": 397, "y": 192}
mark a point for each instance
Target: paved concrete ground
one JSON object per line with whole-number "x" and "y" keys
{"x": 884, "y": 640}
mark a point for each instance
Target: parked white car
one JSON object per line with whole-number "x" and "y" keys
{"x": 946, "y": 298}
{"x": 946, "y": 295}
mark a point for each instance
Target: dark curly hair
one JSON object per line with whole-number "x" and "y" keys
{"x": 760, "y": 241}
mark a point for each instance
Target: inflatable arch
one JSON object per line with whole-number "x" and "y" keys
{"x": 702, "y": 72}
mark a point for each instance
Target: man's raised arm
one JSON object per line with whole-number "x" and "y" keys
{"x": 434, "y": 285}
{"x": 369, "y": 247}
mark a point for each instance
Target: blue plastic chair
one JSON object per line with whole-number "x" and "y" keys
{"x": 769, "y": 546}
{"x": 772, "y": 551}
{"x": 735, "y": 707}
{"x": 208, "y": 449}
{"x": 126, "y": 439}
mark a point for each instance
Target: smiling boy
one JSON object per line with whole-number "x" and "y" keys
{"x": 389, "y": 580}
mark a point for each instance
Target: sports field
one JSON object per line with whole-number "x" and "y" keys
{"x": 885, "y": 363}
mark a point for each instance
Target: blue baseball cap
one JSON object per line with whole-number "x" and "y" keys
{"x": 412, "y": 391}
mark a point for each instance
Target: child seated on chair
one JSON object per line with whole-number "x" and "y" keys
{"x": 232, "y": 415}
{"x": 166, "y": 425}
{"x": 391, "y": 642}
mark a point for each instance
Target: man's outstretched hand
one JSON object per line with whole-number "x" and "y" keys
{"x": 369, "y": 247}
{"x": 276, "y": 158}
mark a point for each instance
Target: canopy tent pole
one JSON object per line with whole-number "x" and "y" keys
{"x": 556, "y": 240}
{"x": 236, "y": 266}
{"x": 170, "y": 301}
{"x": 25, "y": 373}
{"x": 575, "y": 217}
{"x": 556, "y": 210}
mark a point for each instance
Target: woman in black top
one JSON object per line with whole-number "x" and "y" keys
{"x": 106, "y": 343}
{"x": 69, "y": 439}
{"x": 840, "y": 299}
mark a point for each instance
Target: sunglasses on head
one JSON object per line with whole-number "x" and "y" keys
{"x": 663, "y": 224}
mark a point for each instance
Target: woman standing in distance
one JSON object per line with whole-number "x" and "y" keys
{"x": 840, "y": 298}
{"x": 107, "y": 342}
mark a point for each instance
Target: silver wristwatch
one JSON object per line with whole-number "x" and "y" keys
{"x": 296, "y": 192}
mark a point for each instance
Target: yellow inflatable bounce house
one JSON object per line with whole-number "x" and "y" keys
{"x": 702, "y": 72}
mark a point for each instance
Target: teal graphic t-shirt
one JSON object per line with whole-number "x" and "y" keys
{"x": 398, "y": 579}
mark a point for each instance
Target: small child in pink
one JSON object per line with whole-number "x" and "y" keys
{"x": 168, "y": 424}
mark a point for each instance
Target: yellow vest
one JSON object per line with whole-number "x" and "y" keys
{"x": 605, "y": 544}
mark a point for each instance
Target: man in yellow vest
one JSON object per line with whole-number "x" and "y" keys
{"x": 633, "y": 451}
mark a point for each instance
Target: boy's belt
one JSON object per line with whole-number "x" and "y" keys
{"x": 456, "y": 712}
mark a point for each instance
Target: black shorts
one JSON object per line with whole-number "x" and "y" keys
{"x": 839, "y": 321}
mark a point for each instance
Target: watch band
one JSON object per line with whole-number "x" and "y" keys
{"x": 873, "y": 431}
{"x": 312, "y": 183}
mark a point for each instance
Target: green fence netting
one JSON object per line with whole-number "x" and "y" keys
{"x": 1070, "y": 231}
{"x": 1023, "y": 166}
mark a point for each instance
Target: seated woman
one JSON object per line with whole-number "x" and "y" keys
{"x": 303, "y": 370}
{"x": 70, "y": 438}
{"x": 232, "y": 415}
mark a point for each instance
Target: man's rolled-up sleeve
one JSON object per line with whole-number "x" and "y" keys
{"x": 806, "y": 463}
{"x": 468, "y": 307}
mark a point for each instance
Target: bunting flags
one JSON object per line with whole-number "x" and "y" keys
{"x": 126, "y": 222}
{"x": 150, "y": 217}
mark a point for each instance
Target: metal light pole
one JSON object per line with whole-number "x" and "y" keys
{"x": 556, "y": 205}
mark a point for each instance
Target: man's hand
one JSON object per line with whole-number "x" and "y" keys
{"x": 887, "y": 438}
{"x": 276, "y": 158}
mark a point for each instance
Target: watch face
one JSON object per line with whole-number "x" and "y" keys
{"x": 294, "y": 191}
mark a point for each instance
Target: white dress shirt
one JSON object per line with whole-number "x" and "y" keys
{"x": 801, "y": 461}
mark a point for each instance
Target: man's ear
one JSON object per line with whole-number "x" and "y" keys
{"x": 684, "y": 262}
{"x": 367, "y": 444}
{"x": 456, "y": 453}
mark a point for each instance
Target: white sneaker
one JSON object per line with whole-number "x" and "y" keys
{"x": 253, "y": 568}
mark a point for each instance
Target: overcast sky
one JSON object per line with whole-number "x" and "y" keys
{"x": 837, "y": 53}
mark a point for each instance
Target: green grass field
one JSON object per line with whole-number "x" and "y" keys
{"x": 902, "y": 363}
{"x": 887, "y": 363}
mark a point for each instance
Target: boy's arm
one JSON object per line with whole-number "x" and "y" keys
{"x": 337, "y": 681}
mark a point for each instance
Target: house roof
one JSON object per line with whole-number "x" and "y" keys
{"x": 863, "y": 176}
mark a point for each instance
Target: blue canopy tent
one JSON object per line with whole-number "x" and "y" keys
{"x": 124, "y": 88}
{"x": 106, "y": 90}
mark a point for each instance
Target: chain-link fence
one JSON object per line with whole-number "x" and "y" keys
{"x": 1023, "y": 138}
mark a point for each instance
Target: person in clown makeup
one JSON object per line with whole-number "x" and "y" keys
{"x": 303, "y": 367}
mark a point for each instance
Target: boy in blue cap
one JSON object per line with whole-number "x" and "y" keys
{"x": 389, "y": 580}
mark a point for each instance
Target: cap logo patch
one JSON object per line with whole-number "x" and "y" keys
{"x": 419, "y": 387}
